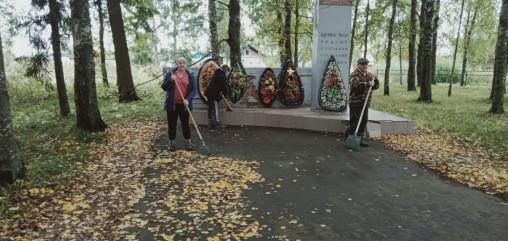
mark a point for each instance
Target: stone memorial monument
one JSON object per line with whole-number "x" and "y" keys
{"x": 331, "y": 37}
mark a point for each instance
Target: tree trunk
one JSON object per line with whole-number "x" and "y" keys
{"x": 212, "y": 21}
{"x": 297, "y": 24}
{"x": 434, "y": 41}
{"x": 101, "y": 44}
{"x": 87, "y": 109}
{"x": 455, "y": 51}
{"x": 411, "y": 85}
{"x": 500, "y": 63}
{"x": 366, "y": 30}
{"x": 282, "y": 53}
{"x": 234, "y": 32}
{"x": 287, "y": 28}
{"x": 425, "y": 88}
{"x": 400, "y": 49}
{"x": 175, "y": 29}
{"x": 467, "y": 35}
{"x": 389, "y": 49}
{"x": 419, "y": 64}
{"x": 54, "y": 20}
{"x": 400, "y": 63}
{"x": 126, "y": 90}
{"x": 353, "y": 32}
{"x": 155, "y": 42}
{"x": 11, "y": 165}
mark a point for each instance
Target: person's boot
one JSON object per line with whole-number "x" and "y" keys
{"x": 188, "y": 145}
{"x": 363, "y": 144}
{"x": 211, "y": 123}
{"x": 172, "y": 145}
{"x": 219, "y": 125}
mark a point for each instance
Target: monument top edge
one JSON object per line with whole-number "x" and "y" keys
{"x": 336, "y": 2}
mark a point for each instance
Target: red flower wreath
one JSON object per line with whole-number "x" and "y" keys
{"x": 268, "y": 87}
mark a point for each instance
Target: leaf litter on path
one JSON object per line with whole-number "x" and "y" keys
{"x": 460, "y": 160}
{"x": 199, "y": 197}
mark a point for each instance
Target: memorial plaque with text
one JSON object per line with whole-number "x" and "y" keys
{"x": 332, "y": 37}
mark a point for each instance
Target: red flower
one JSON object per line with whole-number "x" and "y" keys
{"x": 267, "y": 100}
{"x": 332, "y": 79}
{"x": 263, "y": 91}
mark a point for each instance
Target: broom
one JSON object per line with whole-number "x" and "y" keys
{"x": 207, "y": 150}
{"x": 353, "y": 141}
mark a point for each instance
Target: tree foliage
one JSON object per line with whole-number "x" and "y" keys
{"x": 138, "y": 19}
{"x": 37, "y": 64}
{"x": 177, "y": 22}
{"x": 263, "y": 14}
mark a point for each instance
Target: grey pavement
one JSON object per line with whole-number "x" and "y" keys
{"x": 328, "y": 192}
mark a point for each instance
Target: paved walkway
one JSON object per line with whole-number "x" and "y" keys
{"x": 327, "y": 192}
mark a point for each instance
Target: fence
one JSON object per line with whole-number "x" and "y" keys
{"x": 472, "y": 77}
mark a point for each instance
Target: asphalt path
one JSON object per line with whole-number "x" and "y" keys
{"x": 316, "y": 189}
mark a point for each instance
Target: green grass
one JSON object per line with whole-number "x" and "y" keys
{"x": 463, "y": 115}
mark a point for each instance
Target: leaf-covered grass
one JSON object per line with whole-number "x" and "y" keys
{"x": 464, "y": 115}
{"x": 52, "y": 146}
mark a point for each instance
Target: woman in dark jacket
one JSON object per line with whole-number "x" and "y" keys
{"x": 216, "y": 89}
{"x": 175, "y": 104}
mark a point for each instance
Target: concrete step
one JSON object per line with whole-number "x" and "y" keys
{"x": 303, "y": 118}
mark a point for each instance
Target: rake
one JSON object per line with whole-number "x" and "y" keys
{"x": 227, "y": 103}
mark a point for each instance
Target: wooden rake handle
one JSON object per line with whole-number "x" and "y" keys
{"x": 227, "y": 103}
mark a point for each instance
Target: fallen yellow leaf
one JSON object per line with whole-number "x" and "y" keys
{"x": 34, "y": 191}
{"x": 69, "y": 207}
{"x": 168, "y": 238}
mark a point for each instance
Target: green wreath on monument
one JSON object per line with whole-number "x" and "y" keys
{"x": 237, "y": 82}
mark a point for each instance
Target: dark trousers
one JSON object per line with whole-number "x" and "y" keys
{"x": 213, "y": 110}
{"x": 181, "y": 111}
{"x": 354, "y": 117}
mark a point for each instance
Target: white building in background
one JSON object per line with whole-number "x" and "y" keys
{"x": 251, "y": 58}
